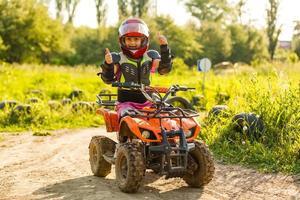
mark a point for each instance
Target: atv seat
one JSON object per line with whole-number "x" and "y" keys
{"x": 111, "y": 119}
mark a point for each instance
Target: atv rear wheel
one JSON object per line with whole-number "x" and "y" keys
{"x": 180, "y": 102}
{"x": 203, "y": 173}
{"x": 129, "y": 167}
{"x": 99, "y": 146}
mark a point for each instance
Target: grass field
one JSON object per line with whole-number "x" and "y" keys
{"x": 271, "y": 91}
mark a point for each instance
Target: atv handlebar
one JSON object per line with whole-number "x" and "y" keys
{"x": 173, "y": 88}
{"x": 145, "y": 89}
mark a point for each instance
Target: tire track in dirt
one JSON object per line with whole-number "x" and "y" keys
{"x": 57, "y": 167}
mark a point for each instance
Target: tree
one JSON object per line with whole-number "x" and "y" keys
{"x": 272, "y": 31}
{"x": 2, "y": 48}
{"x": 139, "y": 8}
{"x": 238, "y": 11}
{"x": 247, "y": 43}
{"x": 70, "y": 8}
{"x": 240, "y": 6}
{"x": 216, "y": 42}
{"x": 297, "y": 29}
{"x": 28, "y": 33}
{"x": 182, "y": 40}
{"x": 89, "y": 47}
{"x": 101, "y": 12}
{"x": 123, "y": 9}
{"x": 296, "y": 45}
{"x": 207, "y": 10}
{"x": 296, "y": 39}
{"x": 59, "y": 8}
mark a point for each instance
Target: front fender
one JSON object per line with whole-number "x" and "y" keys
{"x": 134, "y": 125}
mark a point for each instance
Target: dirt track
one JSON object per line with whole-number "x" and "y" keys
{"x": 57, "y": 167}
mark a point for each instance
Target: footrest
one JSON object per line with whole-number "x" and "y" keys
{"x": 177, "y": 155}
{"x": 159, "y": 148}
{"x": 109, "y": 158}
{"x": 178, "y": 168}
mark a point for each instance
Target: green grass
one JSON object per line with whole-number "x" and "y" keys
{"x": 270, "y": 90}
{"x": 273, "y": 93}
{"x": 52, "y": 83}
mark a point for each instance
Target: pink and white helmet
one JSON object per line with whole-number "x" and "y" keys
{"x": 134, "y": 27}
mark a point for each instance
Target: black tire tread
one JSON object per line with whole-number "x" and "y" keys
{"x": 184, "y": 102}
{"x": 101, "y": 167}
{"x": 136, "y": 167}
{"x": 205, "y": 171}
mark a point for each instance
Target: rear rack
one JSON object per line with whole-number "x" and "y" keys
{"x": 165, "y": 112}
{"x": 162, "y": 112}
{"x": 108, "y": 101}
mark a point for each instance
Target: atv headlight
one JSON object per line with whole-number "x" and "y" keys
{"x": 189, "y": 133}
{"x": 146, "y": 134}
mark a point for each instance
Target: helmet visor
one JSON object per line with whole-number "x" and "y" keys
{"x": 134, "y": 29}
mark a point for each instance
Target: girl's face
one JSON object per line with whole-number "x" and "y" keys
{"x": 133, "y": 42}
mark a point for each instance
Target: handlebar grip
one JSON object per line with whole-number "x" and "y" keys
{"x": 126, "y": 85}
{"x": 186, "y": 88}
{"x": 182, "y": 88}
{"x": 116, "y": 84}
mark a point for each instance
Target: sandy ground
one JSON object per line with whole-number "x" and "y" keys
{"x": 57, "y": 167}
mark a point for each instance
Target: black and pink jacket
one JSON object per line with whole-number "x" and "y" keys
{"x": 125, "y": 69}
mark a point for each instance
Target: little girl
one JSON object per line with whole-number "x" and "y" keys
{"x": 134, "y": 63}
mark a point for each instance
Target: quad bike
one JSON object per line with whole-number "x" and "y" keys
{"x": 160, "y": 137}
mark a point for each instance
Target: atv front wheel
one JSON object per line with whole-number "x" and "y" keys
{"x": 201, "y": 161}
{"x": 129, "y": 167}
{"x": 100, "y": 145}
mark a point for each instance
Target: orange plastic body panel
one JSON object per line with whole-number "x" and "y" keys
{"x": 111, "y": 119}
{"x": 152, "y": 124}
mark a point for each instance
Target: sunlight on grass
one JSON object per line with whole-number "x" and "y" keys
{"x": 271, "y": 91}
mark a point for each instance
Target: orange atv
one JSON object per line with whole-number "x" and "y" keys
{"x": 160, "y": 137}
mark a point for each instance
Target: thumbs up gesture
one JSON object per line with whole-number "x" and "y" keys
{"x": 162, "y": 39}
{"x": 108, "y": 56}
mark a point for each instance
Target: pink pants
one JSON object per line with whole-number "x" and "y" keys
{"x": 121, "y": 108}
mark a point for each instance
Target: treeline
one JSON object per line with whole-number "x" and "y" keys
{"x": 29, "y": 35}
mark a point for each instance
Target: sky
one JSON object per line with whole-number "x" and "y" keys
{"x": 255, "y": 13}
